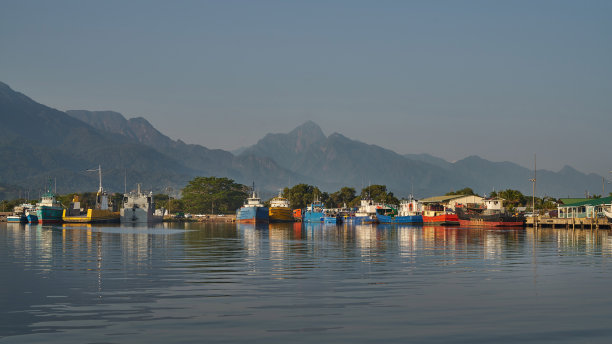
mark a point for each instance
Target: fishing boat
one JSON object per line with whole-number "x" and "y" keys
{"x": 314, "y": 212}
{"x": 102, "y": 211}
{"x": 253, "y": 211}
{"x": 18, "y": 215}
{"x": 49, "y": 209}
{"x": 492, "y": 214}
{"x": 366, "y": 213}
{"x": 280, "y": 210}
{"x": 139, "y": 207}
{"x": 437, "y": 214}
{"x": 30, "y": 213}
{"x": 19, "y": 218}
{"x": 331, "y": 217}
{"x": 410, "y": 211}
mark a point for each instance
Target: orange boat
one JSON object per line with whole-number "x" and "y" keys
{"x": 297, "y": 215}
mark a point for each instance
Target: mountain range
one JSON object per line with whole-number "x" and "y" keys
{"x": 38, "y": 143}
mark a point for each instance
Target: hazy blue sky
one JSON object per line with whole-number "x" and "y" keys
{"x": 502, "y": 80}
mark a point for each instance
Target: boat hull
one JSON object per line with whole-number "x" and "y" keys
{"x": 366, "y": 219}
{"x": 16, "y": 219}
{"x": 332, "y": 219}
{"x": 399, "y": 219}
{"x": 490, "y": 220}
{"x": 313, "y": 217}
{"x": 442, "y": 220}
{"x": 93, "y": 216}
{"x": 280, "y": 214}
{"x": 481, "y": 222}
{"x": 253, "y": 215}
{"x": 138, "y": 215}
{"x": 32, "y": 218}
{"x": 49, "y": 215}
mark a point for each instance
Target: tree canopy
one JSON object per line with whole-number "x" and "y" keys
{"x": 338, "y": 199}
{"x": 213, "y": 195}
{"x": 378, "y": 193}
{"x": 301, "y": 195}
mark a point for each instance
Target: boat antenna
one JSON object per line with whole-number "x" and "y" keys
{"x": 125, "y": 182}
{"x": 411, "y": 187}
{"x": 55, "y": 187}
{"x": 99, "y": 169}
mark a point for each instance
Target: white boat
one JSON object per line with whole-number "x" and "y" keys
{"x": 607, "y": 210}
{"x": 139, "y": 208}
{"x": 367, "y": 211}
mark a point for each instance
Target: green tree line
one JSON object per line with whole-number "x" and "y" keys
{"x": 213, "y": 195}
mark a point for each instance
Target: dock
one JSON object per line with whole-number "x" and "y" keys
{"x": 572, "y": 223}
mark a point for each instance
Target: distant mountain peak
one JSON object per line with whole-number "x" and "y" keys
{"x": 309, "y": 128}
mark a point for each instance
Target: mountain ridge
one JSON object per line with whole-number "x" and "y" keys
{"x": 38, "y": 141}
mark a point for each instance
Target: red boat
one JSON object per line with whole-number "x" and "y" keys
{"x": 438, "y": 215}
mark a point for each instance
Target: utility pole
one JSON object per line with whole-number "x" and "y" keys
{"x": 533, "y": 181}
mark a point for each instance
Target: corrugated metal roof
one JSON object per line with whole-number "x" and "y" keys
{"x": 567, "y": 201}
{"x": 440, "y": 199}
{"x": 591, "y": 201}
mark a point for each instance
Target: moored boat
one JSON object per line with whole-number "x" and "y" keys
{"x": 314, "y": 212}
{"x": 331, "y": 217}
{"x": 16, "y": 219}
{"x": 100, "y": 213}
{"x": 607, "y": 211}
{"x": 30, "y": 213}
{"x": 493, "y": 214}
{"x": 18, "y": 216}
{"x": 366, "y": 213}
{"x": 49, "y": 209}
{"x": 253, "y": 211}
{"x": 436, "y": 214}
{"x": 409, "y": 212}
{"x": 280, "y": 210}
{"x": 139, "y": 207}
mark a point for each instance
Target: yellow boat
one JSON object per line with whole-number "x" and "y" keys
{"x": 280, "y": 210}
{"x": 102, "y": 212}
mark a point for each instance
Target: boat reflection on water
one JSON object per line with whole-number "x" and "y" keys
{"x": 283, "y": 239}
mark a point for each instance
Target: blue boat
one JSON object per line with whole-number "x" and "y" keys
{"x": 31, "y": 215}
{"x": 253, "y": 211}
{"x": 409, "y": 213}
{"x": 314, "y": 212}
{"x": 366, "y": 213}
{"x": 332, "y": 219}
{"x": 19, "y": 218}
{"x": 19, "y": 214}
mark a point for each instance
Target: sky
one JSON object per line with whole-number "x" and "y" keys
{"x": 503, "y": 80}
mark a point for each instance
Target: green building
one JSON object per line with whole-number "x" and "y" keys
{"x": 590, "y": 208}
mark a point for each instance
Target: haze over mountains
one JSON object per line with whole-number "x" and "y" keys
{"x": 38, "y": 142}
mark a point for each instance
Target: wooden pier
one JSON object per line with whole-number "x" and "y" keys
{"x": 573, "y": 223}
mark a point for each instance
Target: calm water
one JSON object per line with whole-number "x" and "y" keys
{"x": 210, "y": 283}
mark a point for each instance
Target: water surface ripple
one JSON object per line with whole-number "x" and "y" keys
{"x": 228, "y": 283}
